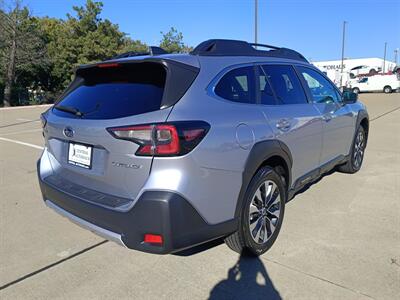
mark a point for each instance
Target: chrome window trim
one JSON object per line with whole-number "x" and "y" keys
{"x": 210, "y": 89}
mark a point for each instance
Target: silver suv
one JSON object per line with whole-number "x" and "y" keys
{"x": 161, "y": 152}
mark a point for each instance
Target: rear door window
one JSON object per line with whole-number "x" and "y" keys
{"x": 285, "y": 83}
{"x": 237, "y": 85}
{"x": 116, "y": 91}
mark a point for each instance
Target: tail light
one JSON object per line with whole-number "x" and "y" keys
{"x": 165, "y": 139}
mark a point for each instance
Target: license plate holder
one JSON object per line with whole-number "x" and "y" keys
{"x": 80, "y": 155}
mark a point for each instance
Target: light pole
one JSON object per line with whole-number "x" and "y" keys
{"x": 396, "y": 52}
{"x": 255, "y": 21}
{"x": 384, "y": 59}
{"x": 341, "y": 66}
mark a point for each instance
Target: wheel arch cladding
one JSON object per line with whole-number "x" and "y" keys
{"x": 273, "y": 153}
{"x": 365, "y": 124}
{"x": 363, "y": 120}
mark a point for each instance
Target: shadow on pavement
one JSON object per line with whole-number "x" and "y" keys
{"x": 200, "y": 248}
{"x": 247, "y": 279}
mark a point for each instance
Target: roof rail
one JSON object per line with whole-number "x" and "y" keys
{"x": 265, "y": 46}
{"x": 220, "y": 47}
{"x": 153, "y": 50}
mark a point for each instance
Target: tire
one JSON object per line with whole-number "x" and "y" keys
{"x": 265, "y": 220}
{"x": 372, "y": 72}
{"x": 387, "y": 89}
{"x": 356, "y": 90}
{"x": 356, "y": 158}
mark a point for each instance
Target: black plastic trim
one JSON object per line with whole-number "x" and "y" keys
{"x": 315, "y": 174}
{"x": 155, "y": 212}
{"x": 260, "y": 153}
{"x": 362, "y": 114}
{"x": 222, "y": 47}
{"x": 84, "y": 193}
{"x": 179, "y": 78}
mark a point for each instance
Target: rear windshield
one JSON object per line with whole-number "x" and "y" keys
{"x": 115, "y": 91}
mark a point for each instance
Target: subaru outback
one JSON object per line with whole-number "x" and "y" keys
{"x": 161, "y": 152}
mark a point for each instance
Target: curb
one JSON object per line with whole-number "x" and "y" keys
{"x": 26, "y": 106}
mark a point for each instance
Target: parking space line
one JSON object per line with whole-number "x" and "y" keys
{"x": 384, "y": 114}
{"x": 21, "y": 131}
{"x": 20, "y": 123}
{"x": 21, "y": 143}
{"x": 51, "y": 265}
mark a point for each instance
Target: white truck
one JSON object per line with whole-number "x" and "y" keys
{"x": 353, "y": 68}
{"x": 377, "y": 83}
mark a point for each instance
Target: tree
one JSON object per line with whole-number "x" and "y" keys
{"x": 83, "y": 38}
{"x": 172, "y": 42}
{"x": 135, "y": 46}
{"x": 94, "y": 38}
{"x": 41, "y": 53}
{"x": 22, "y": 48}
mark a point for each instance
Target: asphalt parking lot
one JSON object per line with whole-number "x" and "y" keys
{"x": 340, "y": 238}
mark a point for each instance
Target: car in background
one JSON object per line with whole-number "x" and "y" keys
{"x": 364, "y": 70}
{"x": 377, "y": 83}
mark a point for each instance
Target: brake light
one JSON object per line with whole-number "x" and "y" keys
{"x": 167, "y": 139}
{"x": 108, "y": 65}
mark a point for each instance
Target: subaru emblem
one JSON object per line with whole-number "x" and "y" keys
{"x": 68, "y": 132}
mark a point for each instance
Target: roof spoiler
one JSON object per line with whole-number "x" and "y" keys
{"x": 220, "y": 47}
{"x": 153, "y": 51}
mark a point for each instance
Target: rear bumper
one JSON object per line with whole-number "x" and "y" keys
{"x": 155, "y": 212}
{"x": 107, "y": 234}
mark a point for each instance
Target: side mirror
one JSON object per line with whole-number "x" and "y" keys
{"x": 349, "y": 97}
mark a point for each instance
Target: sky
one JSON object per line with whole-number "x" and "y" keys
{"x": 312, "y": 27}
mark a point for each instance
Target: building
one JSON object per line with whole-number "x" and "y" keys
{"x": 353, "y": 68}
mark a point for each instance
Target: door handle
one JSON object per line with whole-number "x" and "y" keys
{"x": 283, "y": 125}
{"x": 328, "y": 116}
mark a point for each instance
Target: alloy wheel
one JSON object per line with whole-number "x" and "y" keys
{"x": 264, "y": 211}
{"x": 359, "y": 146}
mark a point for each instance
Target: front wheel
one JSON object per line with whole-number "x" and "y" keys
{"x": 356, "y": 158}
{"x": 262, "y": 214}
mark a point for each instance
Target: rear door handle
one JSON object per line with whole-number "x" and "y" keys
{"x": 328, "y": 116}
{"x": 283, "y": 125}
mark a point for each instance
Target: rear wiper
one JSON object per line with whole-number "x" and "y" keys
{"x": 69, "y": 109}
